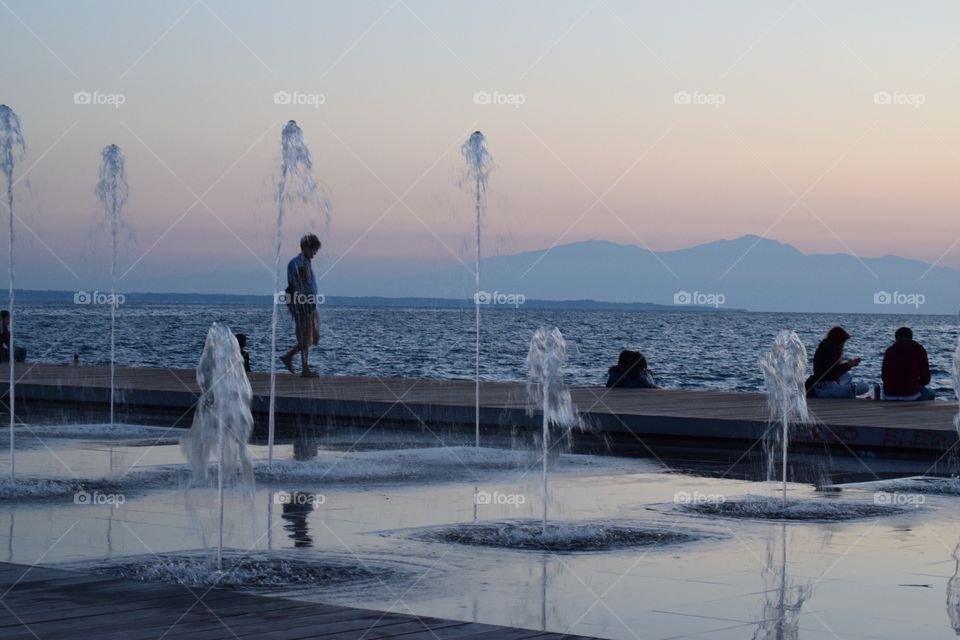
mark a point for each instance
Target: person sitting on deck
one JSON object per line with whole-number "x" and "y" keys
{"x": 5, "y": 336}
{"x": 906, "y": 369}
{"x": 831, "y": 373}
{"x": 631, "y": 372}
{"x": 242, "y": 341}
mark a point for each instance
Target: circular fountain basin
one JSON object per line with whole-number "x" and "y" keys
{"x": 247, "y": 571}
{"x": 528, "y": 535}
{"x": 773, "y": 508}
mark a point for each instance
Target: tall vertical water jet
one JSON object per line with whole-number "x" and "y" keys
{"x": 12, "y": 149}
{"x": 956, "y": 383}
{"x": 479, "y": 164}
{"x": 784, "y": 371}
{"x": 295, "y": 184}
{"x": 546, "y": 390}
{"x": 222, "y": 420}
{"x": 112, "y": 190}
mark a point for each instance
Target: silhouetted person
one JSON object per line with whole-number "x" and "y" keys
{"x": 5, "y": 336}
{"x": 631, "y": 372}
{"x": 831, "y": 373}
{"x": 302, "y": 302}
{"x": 242, "y": 341}
{"x": 906, "y": 369}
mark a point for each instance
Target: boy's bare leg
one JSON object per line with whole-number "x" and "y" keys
{"x": 287, "y": 359}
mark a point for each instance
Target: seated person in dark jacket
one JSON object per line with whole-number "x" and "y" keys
{"x": 906, "y": 369}
{"x": 631, "y": 372}
{"x": 831, "y": 373}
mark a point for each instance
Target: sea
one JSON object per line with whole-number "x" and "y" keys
{"x": 685, "y": 350}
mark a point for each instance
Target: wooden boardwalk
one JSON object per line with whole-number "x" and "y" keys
{"x": 54, "y": 604}
{"x": 706, "y": 417}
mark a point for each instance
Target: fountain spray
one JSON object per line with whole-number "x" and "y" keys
{"x": 545, "y": 388}
{"x": 784, "y": 368}
{"x": 479, "y": 165}
{"x": 222, "y": 419}
{"x": 296, "y": 183}
{"x": 12, "y": 149}
{"x": 112, "y": 190}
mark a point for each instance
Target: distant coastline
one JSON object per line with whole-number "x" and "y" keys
{"x": 63, "y": 297}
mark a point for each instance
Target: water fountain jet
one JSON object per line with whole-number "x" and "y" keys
{"x": 479, "y": 164}
{"x": 222, "y": 420}
{"x": 12, "y": 149}
{"x": 112, "y": 190}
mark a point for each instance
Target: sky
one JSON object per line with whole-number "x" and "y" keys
{"x": 829, "y": 126}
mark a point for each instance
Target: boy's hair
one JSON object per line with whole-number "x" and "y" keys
{"x": 310, "y": 242}
{"x": 242, "y": 340}
{"x": 904, "y": 333}
{"x": 4, "y": 313}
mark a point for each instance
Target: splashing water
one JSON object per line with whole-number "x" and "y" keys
{"x": 295, "y": 184}
{"x": 546, "y": 390}
{"x": 112, "y": 190}
{"x": 479, "y": 164}
{"x": 12, "y": 149}
{"x": 784, "y": 370}
{"x": 222, "y": 418}
{"x": 956, "y": 383}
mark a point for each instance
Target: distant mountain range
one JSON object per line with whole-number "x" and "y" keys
{"x": 750, "y": 272}
{"x": 747, "y": 273}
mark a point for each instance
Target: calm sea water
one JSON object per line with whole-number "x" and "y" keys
{"x": 685, "y": 350}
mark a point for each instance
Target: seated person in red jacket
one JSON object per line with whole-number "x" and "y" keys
{"x": 906, "y": 370}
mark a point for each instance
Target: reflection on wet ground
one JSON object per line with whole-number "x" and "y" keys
{"x": 329, "y": 512}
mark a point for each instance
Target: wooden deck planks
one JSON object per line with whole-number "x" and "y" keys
{"x": 56, "y": 604}
{"x": 688, "y": 412}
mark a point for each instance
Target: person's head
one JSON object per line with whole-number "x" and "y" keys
{"x": 242, "y": 340}
{"x": 5, "y": 317}
{"x": 838, "y": 335}
{"x": 904, "y": 334}
{"x": 309, "y": 245}
{"x": 631, "y": 363}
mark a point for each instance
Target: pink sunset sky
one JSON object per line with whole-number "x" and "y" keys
{"x": 829, "y": 126}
